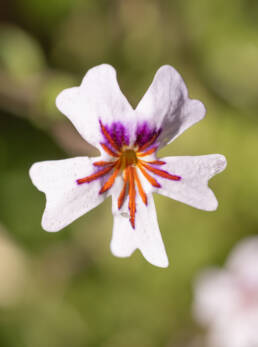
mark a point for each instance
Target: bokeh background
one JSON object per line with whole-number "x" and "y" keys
{"x": 66, "y": 289}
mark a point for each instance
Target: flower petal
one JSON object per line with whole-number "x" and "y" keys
{"x": 98, "y": 98}
{"x": 243, "y": 261}
{"x": 239, "y": 330}
{"x": 167, "y": 106}
{"x": 195, "y": 172}
{"x": 146, "y": 235}
{"x": 216, "y": 296}
{"x": 66, "y": 200}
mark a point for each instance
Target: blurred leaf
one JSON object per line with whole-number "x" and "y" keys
{"x": 53, "y": 84}
{"x": 21, "y": 205}
{"x": 225, "y": 44}
{"x": 44, "y": 14}
{"x": 20, "y": 55}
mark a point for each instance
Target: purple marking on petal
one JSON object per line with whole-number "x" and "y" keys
{"x": 118, "y": 133}
{"x": 145, "y": 133}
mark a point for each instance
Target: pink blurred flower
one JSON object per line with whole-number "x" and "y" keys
{"x": 226, "y": 300}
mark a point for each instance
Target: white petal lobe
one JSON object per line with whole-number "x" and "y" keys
{"x": 146, "y": 235}
{"x": 166, "y": 105}
{"x": 65, "y": 199}
{"x": 98, "y": 98}
{"x": 195, "y": 172}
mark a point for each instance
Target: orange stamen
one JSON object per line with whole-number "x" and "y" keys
{"x": 96, "y": 175}
{"x": 103, "y": 163}
{"x": 148, "y": 152}
{"x": 111, "y": 179}
{"x": 161, "y": 173}
{"x": 132, "y": 194}
{"x": 109, "y": 151}
{"x": 140, "y": 188}
{"x": 155, "y": 162}
{"x": 147, "y": 144}
{"x": 123, "y": 191}
{"x": 152, "y": 180}
{"x": 108, "y": 137}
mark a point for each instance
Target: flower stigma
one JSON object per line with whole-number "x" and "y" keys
{"x": 128, "y": 158}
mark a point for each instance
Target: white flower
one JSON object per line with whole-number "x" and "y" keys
{"x": 127, "y": 167}
{"x": 226, "y": 301}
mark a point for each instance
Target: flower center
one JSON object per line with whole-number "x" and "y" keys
{"x": 128, "y": 158}
{"x": 130, "y": 162}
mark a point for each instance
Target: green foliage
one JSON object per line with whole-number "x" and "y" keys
{"x": 20, "y": 55}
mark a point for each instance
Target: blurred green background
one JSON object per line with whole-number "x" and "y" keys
{"x": 66, "y": 289}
